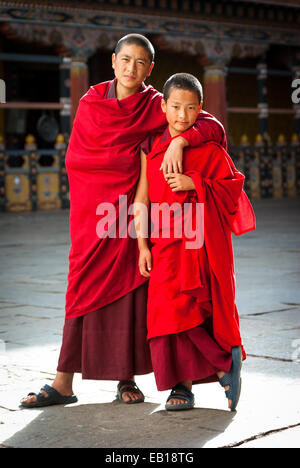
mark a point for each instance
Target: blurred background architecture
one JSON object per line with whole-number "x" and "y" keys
{"x": 245, "y": 53}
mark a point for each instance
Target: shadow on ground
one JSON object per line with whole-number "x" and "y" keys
{"x": 116, "y": 425}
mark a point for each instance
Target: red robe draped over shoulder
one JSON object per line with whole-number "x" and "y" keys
{"x": 103, "y": 163}
{"x": 188, "y": 285}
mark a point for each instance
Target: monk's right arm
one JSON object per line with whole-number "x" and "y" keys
{"x": 141, "y": 205}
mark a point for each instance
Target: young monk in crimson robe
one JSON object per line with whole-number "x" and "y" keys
{"x": 105, "y": 332}
{"x": 193, "y": 323}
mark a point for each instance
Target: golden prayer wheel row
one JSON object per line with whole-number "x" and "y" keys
{"x": 270, "y": 170}
{"x": 33, "y": 179}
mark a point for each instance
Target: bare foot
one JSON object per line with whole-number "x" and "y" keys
{"x": 130, "y": 396}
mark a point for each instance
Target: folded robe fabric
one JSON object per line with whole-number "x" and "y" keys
{"x": 103, "y": 163}
{"x": 189, "y": 284}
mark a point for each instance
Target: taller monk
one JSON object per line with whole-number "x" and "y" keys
{"x": 105, "y": 334}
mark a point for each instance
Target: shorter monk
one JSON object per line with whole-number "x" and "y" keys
{"x": 192, "y": 318}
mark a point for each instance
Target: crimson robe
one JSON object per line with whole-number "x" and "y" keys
{"x": 103, "y": 163}
{"x": 188, "y": 285}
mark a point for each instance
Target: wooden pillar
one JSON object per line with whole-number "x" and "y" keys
{"x": 2, "y": 93}
{"x": 65, "y": 114}
{"x": 215, "y": 93}
{"x": 262, "y": 98}
{"x": 79, "y": 83}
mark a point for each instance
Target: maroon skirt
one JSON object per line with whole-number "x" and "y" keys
{"x": 110, "y": 343}
{"x": 190, "y": 355}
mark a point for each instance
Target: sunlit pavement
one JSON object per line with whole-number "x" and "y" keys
{"x": 33, "y": 279}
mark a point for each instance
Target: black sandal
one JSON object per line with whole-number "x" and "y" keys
{"x": 185, "y": 394}
{"x": 53, "y": 398}
{"x": 129, "y": 386}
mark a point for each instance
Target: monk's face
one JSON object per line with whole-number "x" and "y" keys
{"x": 132, "y": 66}
{"x": 181, "y": 109}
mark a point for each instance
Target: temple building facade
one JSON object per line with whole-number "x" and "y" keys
{"x": 245, "y": 53}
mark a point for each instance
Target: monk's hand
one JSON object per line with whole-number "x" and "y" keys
{"x": 180, "y": 182}
{"x": 172, "y": 161}
{"x": 145, "y": 262}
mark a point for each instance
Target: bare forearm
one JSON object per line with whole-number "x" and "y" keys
{"x": 141, "y": 204}
{"x": 143, "y": 243}
{"x": 140, "y": 212}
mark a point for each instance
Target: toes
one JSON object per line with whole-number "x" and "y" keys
{"x": 176, "y": 402}
{"x": 29, "y": 399}
{"x": 128, "y": 396}
{"x": 32, "y": 397}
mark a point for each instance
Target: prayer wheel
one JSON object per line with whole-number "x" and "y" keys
{"x": 254, "y": 169}
{"x": 17, "y": 179}
{"x": 277, "y": 176}
{"x": 240, "y": 156}
{"x": 243, "y": 165}
{"x": 277, "y": 169}
{"x": 291, "y": 188}
{"x": 267, "y": 166}
{"x": 48, "y": 186}
{"x": 61, "y": 144}
{"x": 293, "y": 168}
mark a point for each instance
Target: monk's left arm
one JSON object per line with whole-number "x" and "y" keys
{"x": 204, "y": 131}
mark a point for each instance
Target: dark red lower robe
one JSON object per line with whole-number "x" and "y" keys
{"x": 109, "y": 343}
{"x": 192, "y": 319}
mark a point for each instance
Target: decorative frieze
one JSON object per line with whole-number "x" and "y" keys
{"x": 79, "y": 28}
